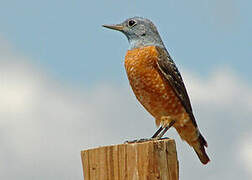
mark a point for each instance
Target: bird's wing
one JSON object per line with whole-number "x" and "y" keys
{"x": 169, "y": 70}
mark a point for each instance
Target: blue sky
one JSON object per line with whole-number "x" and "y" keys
{"x": 63, "y": 87}
{"x": 67, "y": 39}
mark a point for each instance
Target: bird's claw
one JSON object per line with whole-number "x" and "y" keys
{"x": 144, "y": 140}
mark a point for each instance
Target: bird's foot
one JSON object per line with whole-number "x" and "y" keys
{"x": 138, "y": 140}
{"x": 144, "y": 140}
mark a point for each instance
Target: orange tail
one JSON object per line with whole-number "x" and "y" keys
{"x": 199, "y": 148}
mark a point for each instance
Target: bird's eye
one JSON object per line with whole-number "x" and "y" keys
{"x": 131, "y": 23}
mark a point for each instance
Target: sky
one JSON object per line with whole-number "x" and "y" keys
{"x": 63, "y": 87}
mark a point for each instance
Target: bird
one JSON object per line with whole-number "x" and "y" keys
{"x": 158, "y": 84}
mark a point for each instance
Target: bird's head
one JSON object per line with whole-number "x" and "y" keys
{"x": 139, "y": 31}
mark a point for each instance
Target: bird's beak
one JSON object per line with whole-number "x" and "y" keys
{"x": 117, "y": 27}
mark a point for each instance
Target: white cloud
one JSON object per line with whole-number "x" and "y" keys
{"x": 245, "y": 150}
{"x": 45, "y": 124}
{"x": 222, "y": 88}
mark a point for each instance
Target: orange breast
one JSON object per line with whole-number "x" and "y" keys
{"x": 150, "y": 87}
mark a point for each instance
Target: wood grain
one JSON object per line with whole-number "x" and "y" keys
{"x": 150, "y": 160}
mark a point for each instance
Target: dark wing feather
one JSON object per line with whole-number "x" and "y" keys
{"x": 171, "y": 73}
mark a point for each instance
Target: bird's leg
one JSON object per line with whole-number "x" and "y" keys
{"x": 157, "y": 132}
{"x": 166, "y": 124}
{"x": 165, "y": 129}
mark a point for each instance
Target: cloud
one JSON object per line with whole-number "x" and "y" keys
{"x": 245, "y": 150}
{"x": 222, "y": 106}
{"x": 223, "y": 87}
{"x": 44, "y": 124}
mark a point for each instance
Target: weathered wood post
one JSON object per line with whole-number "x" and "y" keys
{"x": 150, "y": 160}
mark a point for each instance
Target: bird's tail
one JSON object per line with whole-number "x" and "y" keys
{"x": 199, "y": 148}
{"x": 190, "y": 133}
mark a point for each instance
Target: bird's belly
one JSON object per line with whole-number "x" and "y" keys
{"x": 155, "y": 95}
{"x": 152, "y": 91}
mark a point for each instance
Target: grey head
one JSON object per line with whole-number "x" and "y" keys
{"x": 140, "y": 32}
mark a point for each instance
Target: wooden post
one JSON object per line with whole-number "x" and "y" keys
{"x": 150, "y": 160}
